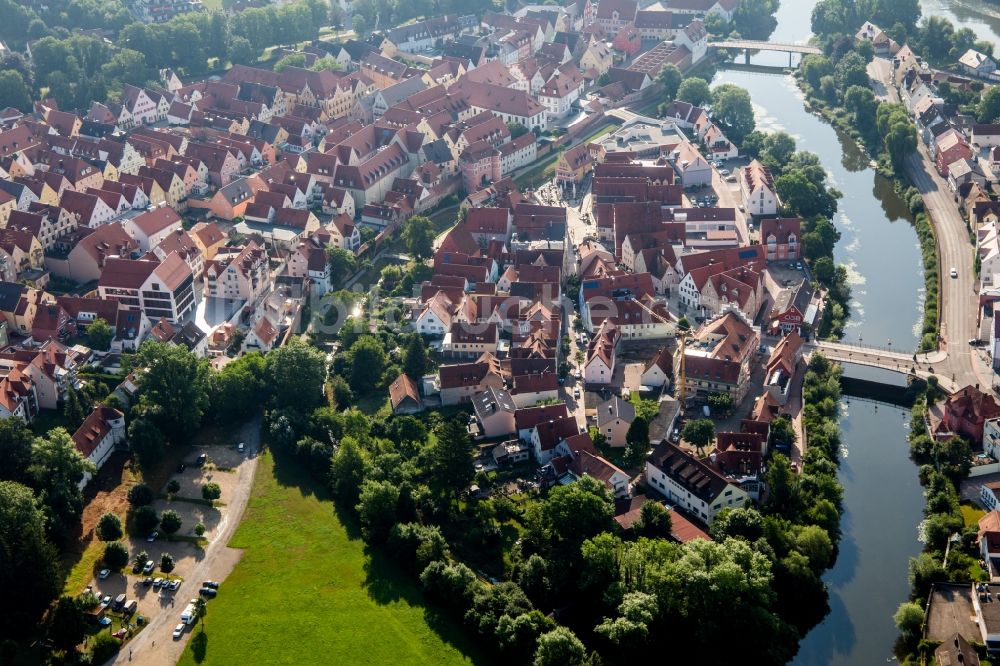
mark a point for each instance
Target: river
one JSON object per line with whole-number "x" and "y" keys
{"x": 981, "y": 17}
{"x": 882, "y": 495}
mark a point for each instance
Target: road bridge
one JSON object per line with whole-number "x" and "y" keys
{"x": 748, "y": 45}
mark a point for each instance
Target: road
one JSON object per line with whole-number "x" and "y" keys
{"x": 959, "y": 301}
{"x": 154, "y": 645}
{"x": 959, "y": 304}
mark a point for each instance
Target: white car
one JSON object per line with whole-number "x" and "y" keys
{"x": 104, "y": 573}
{"x": 954, "y": 272}
{"x": 179, "y": 631}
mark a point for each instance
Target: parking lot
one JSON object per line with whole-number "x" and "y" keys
{"x": 224, "y": 466}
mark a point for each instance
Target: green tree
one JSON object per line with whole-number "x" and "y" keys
{"x": 56, "y": 471}
{"x": 850, "y": 71}
{"x": 211, "y": 491}
{"x": 14, "y": 91}
{"x": 654, "y": 521}
{"x": 173, "y": 388}
{"x": 560, "y": 647}
{"x": 290, "y": 60}
{"x": 140, "y": 495}
{"x": 29, "y": 568}
{"x": 241, "y": 51}
{"x": 731, "y": 106}
{"x": 783, "y": 487}
{"x": 296, "y": 373}
{"x": 630, "y": 629}
{"x": 377, "y": 509}
{"x": 368, "y": 363}
{"x": 578, "y": 511}
{"x": 67, "y": 624}
{"x": 698, "y": 432}
{"x": 145, "y": 520}
{"x": 73, "y": 409}
{"x": 694, "y": 90}
{"x": 170, "y": 521}
{"x": 670, "y": 79}
{"x": 109, "y": 527}
{"x": 115, "y": 555}
{"x": 861, "y": 102}
{"x": 988, "y": 109}
{"x": 415, "y": 363}
{"x": 814, "y": 68}
{"x": 147, "y": 441}
{"x": 327, "y": 63}
{"x": 240, "y": 388}
{"x": 100, "y": 334}
{"x": 342, "y": 264}
{"x": 909, "y": 619}
{"x": 16, "y": 440}
{"x": 516, "y": 129}
{"x": 449, "y": 458}
{"x": 782, "y": 432}
{"x": 348, "y": 469}
{"x": 418, "y": 237}
{"x": 166, "y": 563}
{"x": 637, "y": 441}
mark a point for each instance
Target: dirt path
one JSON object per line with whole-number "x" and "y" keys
{"x": 154, "y": 645}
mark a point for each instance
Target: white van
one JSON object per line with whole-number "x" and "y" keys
{"x": 187, "y": 615}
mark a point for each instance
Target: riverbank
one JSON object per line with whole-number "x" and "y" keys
{"x": 847, "y": 124}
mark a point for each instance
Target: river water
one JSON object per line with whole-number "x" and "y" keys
{"x": 882, "y": 495}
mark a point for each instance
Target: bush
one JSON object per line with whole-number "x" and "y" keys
{"x": 450, "y": 584}
{"x": 109, "y": 527}
{"x": 140, "y": 495}
{"x": 104, "y": 647}
{"x": 145, "y": 520}
{"x": 909, "y": 619}
{"x": 115, "y": 555}
{"x": 170, "y": 521}
{"x": 415, "y": 546}
{"x": 166, "y": 563}
{"x": 199, "y": 529}
{"x": 211, "y": 491}
{"x": 173, "y": 486}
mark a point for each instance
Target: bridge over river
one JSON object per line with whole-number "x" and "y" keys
{"x": 748, "y": 45}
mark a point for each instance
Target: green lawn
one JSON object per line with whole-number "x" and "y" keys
{"x": 307, "y": 591}
{"x": 971, "y": 513}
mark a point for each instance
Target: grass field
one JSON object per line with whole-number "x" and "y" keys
{"x": 971, "y": 513}
{"x": 306, "y": 591}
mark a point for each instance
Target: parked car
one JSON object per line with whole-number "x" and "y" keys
{"x": 103, "y": 573}
{"x": 121, "y": 633}
{"x": 241, "y": 446}
{"x": 106, "y": 600}
{"x": 212, "y": 584}
{"x": 152, "y": 537}
{"x": 147, "y": 581}
{"x": 119, "y": 602}
{"x": 175, "y": 585}
{"x": 208, "y": 592}
{"x": 954, "y": 272}
{"x": 179, "y": 631}
{"x": 104, "y": 621}
{"x": 148, "y": 567}
{"x": 202, "y": 459}
{"x": 158, "y": 583}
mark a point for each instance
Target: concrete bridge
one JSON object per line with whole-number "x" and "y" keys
{"x": 937, "y": 363}
{"x": 748, "y": 45}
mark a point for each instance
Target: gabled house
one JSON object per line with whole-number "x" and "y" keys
{"x": 691, "y": 483}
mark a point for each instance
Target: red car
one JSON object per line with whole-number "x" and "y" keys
{"x": 120, "y": 633}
